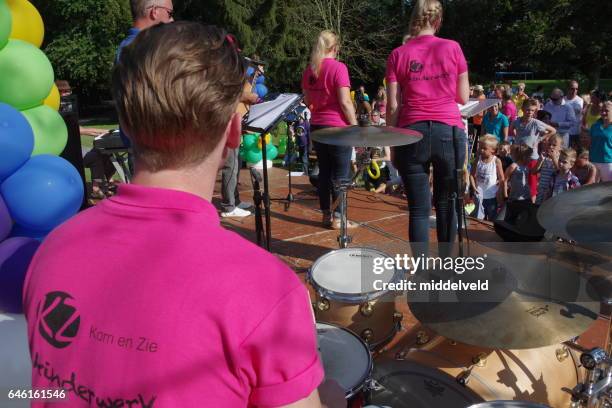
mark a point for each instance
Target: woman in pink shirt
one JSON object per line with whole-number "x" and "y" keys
{"x": 426, "y": 78}
{"x": 508, "y": 107}
{"x": 326, "y": 87}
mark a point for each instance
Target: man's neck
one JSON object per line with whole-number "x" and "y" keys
{"x": 142, "y": 24}
{"x": 199, "y": 180}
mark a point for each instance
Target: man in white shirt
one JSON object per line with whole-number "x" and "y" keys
{"x": 577, "y": 103}
{"x": 563, "y": 117}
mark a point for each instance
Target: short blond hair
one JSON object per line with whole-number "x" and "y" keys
{"x": 568, "y": 154}
{"x": 176, "y": 87}
{"x": 489, "y": 140}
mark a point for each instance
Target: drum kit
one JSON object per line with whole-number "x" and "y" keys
{"x": 520, "y": 350}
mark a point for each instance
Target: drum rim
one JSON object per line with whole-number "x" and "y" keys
{"x": 349, "y": 297}
{"x": 368, "y": 374}
{"x": 511, "y": 403}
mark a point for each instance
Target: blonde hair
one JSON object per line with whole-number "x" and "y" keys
{"x": 568, "y": 154}
{"x": 425, "y": 13}
{"x": 325, "y": 42}
{"x": 176, "y": 88}
{"x": 489, "y": 140}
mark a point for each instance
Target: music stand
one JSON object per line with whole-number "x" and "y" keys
{"x": 262, "y": 118}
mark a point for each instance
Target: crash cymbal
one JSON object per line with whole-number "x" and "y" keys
{"x": 366, "y": 136}
{"x": 529, "y": 303}
{"x": 583, "y": 214}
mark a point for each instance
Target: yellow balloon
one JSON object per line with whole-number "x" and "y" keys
{"x": 53, "y": 99}
{"x": 27, "y": 22}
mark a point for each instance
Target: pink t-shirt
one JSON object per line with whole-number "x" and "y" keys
{"x": 146, "y": 301}
{"x": 322, "y": 92}
{"x": 509, "y": 109}
{"x": 426, "y": 69}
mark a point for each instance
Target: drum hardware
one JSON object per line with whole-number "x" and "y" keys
{"x": 366, "y": 309}
{"x": 422, "y": 338}
{"x": 562, "y": 353}
{"x": 323, "y": 305}
{"x": 367, "y": 335}
{"x": 480, "y": 360}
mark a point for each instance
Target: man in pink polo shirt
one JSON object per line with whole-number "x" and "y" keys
{"x": 145, "y": 300}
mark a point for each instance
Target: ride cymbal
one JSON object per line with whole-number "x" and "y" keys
{"x": 366, "y": 136}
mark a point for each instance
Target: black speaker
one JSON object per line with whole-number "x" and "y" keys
{"x": 518, "y": 222}
{"x": 73, "y": 151}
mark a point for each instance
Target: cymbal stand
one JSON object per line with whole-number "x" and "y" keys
{"x": 596, "y": 391}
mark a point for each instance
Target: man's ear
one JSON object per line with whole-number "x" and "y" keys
{"x": 233, "y": 131}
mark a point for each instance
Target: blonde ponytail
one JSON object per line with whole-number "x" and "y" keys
{"x": 325, "y": 42}
{"x": 425, "y": 13}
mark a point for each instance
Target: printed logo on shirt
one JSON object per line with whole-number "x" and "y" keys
{"x": 416, "y": 66}
{"x": 58, "y": 319}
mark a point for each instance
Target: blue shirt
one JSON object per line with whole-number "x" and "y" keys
{"x": 132, "y": 33}
{"x": 496, "y": 125}
{"x": 601, "y": 143}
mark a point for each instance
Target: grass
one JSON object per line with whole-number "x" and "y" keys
{"x": 550, "y": 84}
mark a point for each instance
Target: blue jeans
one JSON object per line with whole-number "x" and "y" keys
{"x": 413, "y": 162}
{"x": 334, "y": 166}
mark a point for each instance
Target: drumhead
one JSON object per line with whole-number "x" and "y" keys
{"x": 348, "y": 275}
{"x": 508, "y": 404}
{"x": 406, "y": 384}
{"x": 346, "y": 358}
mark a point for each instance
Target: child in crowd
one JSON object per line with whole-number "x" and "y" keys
{"x": 516, "y": 177}
{"x": 547, "y": 165}
{"x": 563, "y": 179}
{"x": 486, "y": 177}
{"x": 584, "y": 169}
{"x": 505, "y": 155}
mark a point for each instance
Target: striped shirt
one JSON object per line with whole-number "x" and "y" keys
{"x": 546, "y": 174}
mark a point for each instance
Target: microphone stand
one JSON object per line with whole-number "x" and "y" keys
{"x": 257, "y": 199}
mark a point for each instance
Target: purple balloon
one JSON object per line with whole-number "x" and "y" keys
{"x": 6, "y": 223}
{"x": 15, "y": 257}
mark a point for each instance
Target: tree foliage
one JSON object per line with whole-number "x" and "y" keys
{"x": 560, "y": 38}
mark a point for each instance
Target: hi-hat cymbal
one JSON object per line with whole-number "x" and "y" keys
{"x": 529, "y": 304}
{"x": 583, "y": 214}
{"x": 366, "y": 136}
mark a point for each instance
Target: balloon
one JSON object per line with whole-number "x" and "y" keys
{"x": 261, "y": 90}
{"x": 16, "y": 140}
{"x": 250, "y": 71}
{"x": 26, "y": 75}
{"x": 43, "y": 193}
{"x": 282, "y": 145}
{"x": 15, "y": 257}
{"x": 260, "y": 145}
{"x": 21, "y": 231}
{"x": 271, "y": 152}
{"x": 260, "y": 80}
{"x": 53, "y": 99}
{"x": 253, "y": 156}
{"x": 249, "y": 140}
{"x": 242, "y": 154}
{"x": 5, "y": 23}
{"x": 27, "y": 22}
{"x": 50, "y": 131}
{"x": 5, "y": 220}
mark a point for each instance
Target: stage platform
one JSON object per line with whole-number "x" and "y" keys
{"x": 299, "y": 239}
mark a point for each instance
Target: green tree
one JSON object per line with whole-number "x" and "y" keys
{"x": 81, "y": 39}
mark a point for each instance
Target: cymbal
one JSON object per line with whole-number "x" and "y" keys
{"x": 366, "y": 136}
{"x": 583, "y": 214}
{"x": 530, "y": 303}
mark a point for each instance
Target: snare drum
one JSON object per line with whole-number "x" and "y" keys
{"x": 344, "y": 280}
{"x": 346, "y": 359}
{"x": 429, "y": 369}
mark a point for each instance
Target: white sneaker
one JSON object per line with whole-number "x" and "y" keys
{"x": 245, "y": 205}
{"x": 236, "y": 212}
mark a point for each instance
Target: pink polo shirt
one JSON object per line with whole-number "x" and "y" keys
{"x": 146, "y": 301}
{"x": 322, "y": 92}
{"x": 426, "y": 69}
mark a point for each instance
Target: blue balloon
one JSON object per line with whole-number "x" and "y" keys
{"x": 261, "y": 90}
{"x": 250, "y": 71}
{"x": 21, "y": 231}
{"x": 16, "y": 140}
{"x": 15, "y": 257}
{"x": 43, "y": 193}
{"x": 5, "y": 220}
{"x": 260, "y": 80}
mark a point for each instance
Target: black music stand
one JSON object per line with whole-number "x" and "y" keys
{"x": 262, "y": 118}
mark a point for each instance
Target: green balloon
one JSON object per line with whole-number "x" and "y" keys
{"x": 26, "y": 75}
{"x": 249, "y": 140}
{"x": 50, "y": 131}
{"x": 5, "y": 23}
{"x": 271, "y": 152}
{"x": 253, "y": 155}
